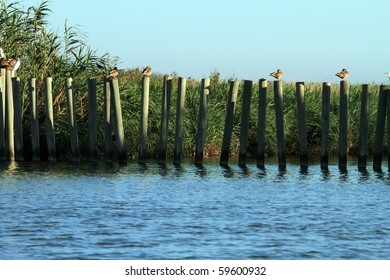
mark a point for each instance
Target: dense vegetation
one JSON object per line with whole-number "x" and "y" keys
{"x": 131, "y": 91}
{"x": 24, "y": 33}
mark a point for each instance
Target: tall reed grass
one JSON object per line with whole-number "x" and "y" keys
{"x": 25, "y": 33}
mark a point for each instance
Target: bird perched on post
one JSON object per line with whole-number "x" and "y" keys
{"x": 14, "y": 63}
{"x": 11, "y": 64}
{"x": 277, "y": 75}
{"x": 114, "y": 73}
{"x": 147, "y": 71}
{"x": 388, "y": 75}
{"x": 343, "y": 74}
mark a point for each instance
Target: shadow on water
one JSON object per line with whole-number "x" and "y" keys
{"x": 281, "y": 175}
{"x": 343, "y": 175}
{"x": 227, "y": 171}
{"x": 163, "y": 169}
{"x": 382, "y": 176}
{"x": 304, "y": 173}
{"x": 325, "y": 173}
{"x": 142, "y": 168}
{"x": 262, "y": 173}
{"x": 179, "y": 170}
{"x": 364, "y": 175}
{"x": 201, "y": 171}
{"x": 208, "y": 170}
{"x": 244, "y": 170}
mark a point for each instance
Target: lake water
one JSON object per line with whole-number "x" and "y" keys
{"x": 63, "y": 211}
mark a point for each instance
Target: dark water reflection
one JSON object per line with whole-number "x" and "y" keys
{"x": 65, "y": 211}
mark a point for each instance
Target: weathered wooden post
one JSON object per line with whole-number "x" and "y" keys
{"x": 363, "y": 131}
{"x": 261, "y": 118}
{"x": 325, "y": 122}
{"x": 245, "y": 116}
{"x": 2, "y": 116}
{"x": 72, "y": 119}
{"x": 50, "y": 132}
{"x": 181, "y": 94}
{"x": 34, "y": 121}
{"x": 92, "y": 121}
{"x": 387, "y": 93}
{"x": 380, "y": 129}
{"x": 144, "y": 120}
{"x": 108, "y": 153}
{"x": 278, "y": 95}
{"x": 229, "y": 122}
{"x": 300, "y": 95}
{"x": 166, "y": 100}
{"x": 18, "y": 125}
{"x": 10, "y": 117}
{"x": 120, "y": 135}
{"x": 343, "y": 130}
{"x": 201, "y": 133}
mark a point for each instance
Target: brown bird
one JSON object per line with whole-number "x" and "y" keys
{"x": 343, "y": 74}
{"x": 14, "y": 63}
{"x": 10, "y": 63}
{"x": 114, "y": 73}
{"x": 147, "y": 71}
{"x": 278, "y": 74}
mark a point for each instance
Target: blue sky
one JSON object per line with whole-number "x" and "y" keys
{"x": 247, "y": 39}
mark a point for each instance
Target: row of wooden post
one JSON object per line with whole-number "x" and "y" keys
{"x": 383, "y": 110}
{"x": 245, "y": 118}
{"x": 11, "y": 134}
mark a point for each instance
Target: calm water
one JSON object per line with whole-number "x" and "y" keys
{"x": 133, "y": 212}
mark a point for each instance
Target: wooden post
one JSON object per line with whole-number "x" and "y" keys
{"x": 144, "y": 120}
{"x": 245, "y": 116}
{"x": 2, "y": 116}
{"x": 108, "y": 153}
{"x": 74, "y": 138}
{"x": 50, "y": 132}
{"x": 181, "y": 94}
{"x": 166, "y": 100}
{"x": 10, "y": 117}
{"x": 19, "y": 152}
{"x": 229, "y": 122}
{"x": 387, "y": 93}
{"x": 325, "y": 122}
{"x": 120, "y": 136}
{"x": 300, "y": 95}
{"x": 343, "y": 130}
{"x": 92, "y": 121}
{"x": 363, "y": 131}
{"x": 380, "y": 129}
{"x": 34, "y": 121}
{"x": 261, "y": 118}
{"x": 200, "y": 137}
{"x": 278, "y": 95}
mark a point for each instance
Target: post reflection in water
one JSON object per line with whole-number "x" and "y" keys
{"x": 151, "y": 211}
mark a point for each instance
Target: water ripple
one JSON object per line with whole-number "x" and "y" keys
{"x": 64, "y": 211}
